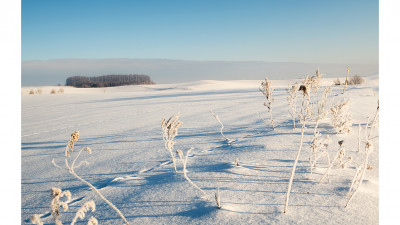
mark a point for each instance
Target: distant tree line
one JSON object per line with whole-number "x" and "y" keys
{"x": 108, "y": 81}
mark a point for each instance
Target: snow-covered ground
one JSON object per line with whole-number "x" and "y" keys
{"x": 131, "y": 167}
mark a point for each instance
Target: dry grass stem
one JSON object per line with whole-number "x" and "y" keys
{"x": 222, "y": 126}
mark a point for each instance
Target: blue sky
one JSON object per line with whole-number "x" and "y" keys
{"x": 273, "y": 31}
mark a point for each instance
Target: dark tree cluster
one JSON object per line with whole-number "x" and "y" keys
{"x": 108, "y": 81}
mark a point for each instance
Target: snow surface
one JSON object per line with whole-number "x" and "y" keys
{"x": 132, "y": 168}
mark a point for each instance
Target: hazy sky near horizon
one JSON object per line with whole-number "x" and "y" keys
{"x": 312, "y": 31}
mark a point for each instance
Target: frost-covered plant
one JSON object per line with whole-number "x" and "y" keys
{"x": 292, "y": 100}
{"x": 267, "y": 90}
{"x": 319, "y": 146}
{"x": 32, "y": 92}
{"x": 315, "y": 81}
{"x": 56, "y": 203}
{"x": 53, "y": 91}
{"x": 303, "y": 116}
{"x": 81, "y": 213}
{"x": 170, "y": 130}
{"x": 218, "y": 199}
{"x": 323, "y": 109}
{"x": 340, "y": 153}
{"x": 184, "y": 162}
{"x": 341, "y": 119}
{"x": 360, "y": 172}
{"x": 222, "y": 125}
{"x": 71, "y": 169}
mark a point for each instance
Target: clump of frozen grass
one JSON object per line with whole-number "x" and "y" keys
{"x": 53, "y": 91}
{"x": 81, "y": 213}
{"x": 292, "y": 100}
{"x": 359, "y": 175}
{"x": 222, "y": 125}
{"x": 341, "y": 119}
{"x": 71, "y": 169}
{"x": 184, "y": 162}
{"x": 305, "y": 109}
{"x": 354, "y": 80}
{"x": 170, "y": 130}
{"x": 267, "y": 90}
{"x": 218, "y": 199}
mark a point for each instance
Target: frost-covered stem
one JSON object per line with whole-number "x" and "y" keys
{"x": 187, "y": 178}
{"x": 70, "y": 168}
{"x": 373, "y": 123}
{"x": 368, "y": 149}
{"x": 219, "y": 121}
{"x": 292, "y": 99}
{"x": 294, "y": 168}
{"x": 330, "y": 165}
{"x": 81, "y": 211}
{"x": 167, "y": 146}
{"x": 359, "y": 137}
{"x": 170, "y": 130}
{"x": 267, "y": 91}
{"x": 218, "y": 199}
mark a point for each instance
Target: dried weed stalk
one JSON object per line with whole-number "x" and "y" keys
{"x": 170, "y": 130}
{"x": 292, "y": 100}
{"x": 304, "y": 113}
{"x": 71, "y": 169}
{"x": 267, "y": 90}
{"x": 360, "y": 172}
{"x": 222, "y": 126}
{"x": 184, "y": 162}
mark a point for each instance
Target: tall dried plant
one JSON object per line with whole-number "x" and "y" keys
{"x": 170, "y": 130}
{"x": 267, "y": 91}
{"x": 71, "y": 169}
{"x": 304, "y": 113}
